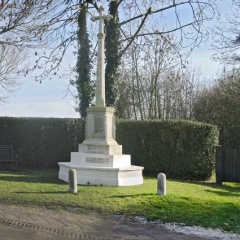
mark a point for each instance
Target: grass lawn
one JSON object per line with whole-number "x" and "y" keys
{"x": 201, "y": 204}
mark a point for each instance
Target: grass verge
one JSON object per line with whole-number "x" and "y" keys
{"x": 201, "y": 204}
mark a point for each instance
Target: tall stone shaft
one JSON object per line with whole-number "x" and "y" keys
{"x": 100, "y": 88}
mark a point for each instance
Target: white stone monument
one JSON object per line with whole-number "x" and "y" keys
{"x": 99, "y": 160}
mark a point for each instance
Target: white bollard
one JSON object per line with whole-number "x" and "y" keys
{"x": 72, "y": 180}
{"x": 161, "y": 184}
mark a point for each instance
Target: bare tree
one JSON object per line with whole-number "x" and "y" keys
{"x": 227, "y": 37}
{"x": 48, "y": 28}
{"x": 12, "y": 69}
{"x": 142, "y": 14}
{"x": 154, "y": 85}
{"x": 33, "y": 23}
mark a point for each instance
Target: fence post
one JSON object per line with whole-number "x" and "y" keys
{"x": 238, "y": 165}
{"x": 219, "y": 163}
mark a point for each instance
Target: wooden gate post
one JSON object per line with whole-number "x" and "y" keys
{"x": 219, "y": 164}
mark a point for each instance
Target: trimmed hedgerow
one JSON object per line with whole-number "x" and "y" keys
{"x": 41, "y": 142}
{"x": 180, "y": 149}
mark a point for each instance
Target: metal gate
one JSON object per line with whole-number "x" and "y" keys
{"x": 227, "y": 164}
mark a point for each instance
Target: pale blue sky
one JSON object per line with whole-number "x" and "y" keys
{"x": 47, "y": 99}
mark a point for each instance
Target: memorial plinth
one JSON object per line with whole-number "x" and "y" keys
{"x": 99, "y": 160}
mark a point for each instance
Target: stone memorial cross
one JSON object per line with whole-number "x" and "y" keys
{"x": 99, "y": 160}
{"x": 100, "y": 88}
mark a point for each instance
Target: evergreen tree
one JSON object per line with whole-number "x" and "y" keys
{"x": 112, "y": 46}
{"x": 83, "y": 67}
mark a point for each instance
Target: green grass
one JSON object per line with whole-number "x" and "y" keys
{"x": 201, "y": 204}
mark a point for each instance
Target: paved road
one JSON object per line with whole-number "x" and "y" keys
{"x": 17, "y": 222}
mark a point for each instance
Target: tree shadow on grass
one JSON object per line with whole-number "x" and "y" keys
{"x": 221, "y": 190}
{"x": 133, "y": 195}
{"x": 220, "y": 215}
{"x": 31, "y": 177}
{"x": 45, "y": 192}
{"x": 224, "y": 194}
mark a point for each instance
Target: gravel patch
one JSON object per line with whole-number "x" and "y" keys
{"x": 187, "y": 230}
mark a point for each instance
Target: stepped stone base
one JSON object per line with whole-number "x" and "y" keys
{"x": 105, "y": 176}
{"x": 99, "y": 160}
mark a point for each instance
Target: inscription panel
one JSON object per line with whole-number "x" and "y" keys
{"x": 97, "y": 160}
{"x": 99, "y": 124}
{"x": 96, "y": 149}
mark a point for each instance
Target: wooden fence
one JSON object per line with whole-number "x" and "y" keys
{"x": 227, "y": 165}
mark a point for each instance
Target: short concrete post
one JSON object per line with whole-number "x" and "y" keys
{"x": 72, "y": 180}
{"x": 161, "y": 185}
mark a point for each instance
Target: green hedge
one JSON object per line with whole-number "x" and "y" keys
{"x": 42, "y": 142}
{"x": 180, "y": 149}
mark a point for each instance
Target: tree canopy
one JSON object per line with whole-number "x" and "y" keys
{"x": 48, "y": 29}
{"x": 220, "y": 105}
{"x": 52, "y": 24}
{"x": 227, "y": 42}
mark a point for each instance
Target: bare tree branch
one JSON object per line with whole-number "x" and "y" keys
{"x": 138, "y": 30}
{"x": 47, "y": 28}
